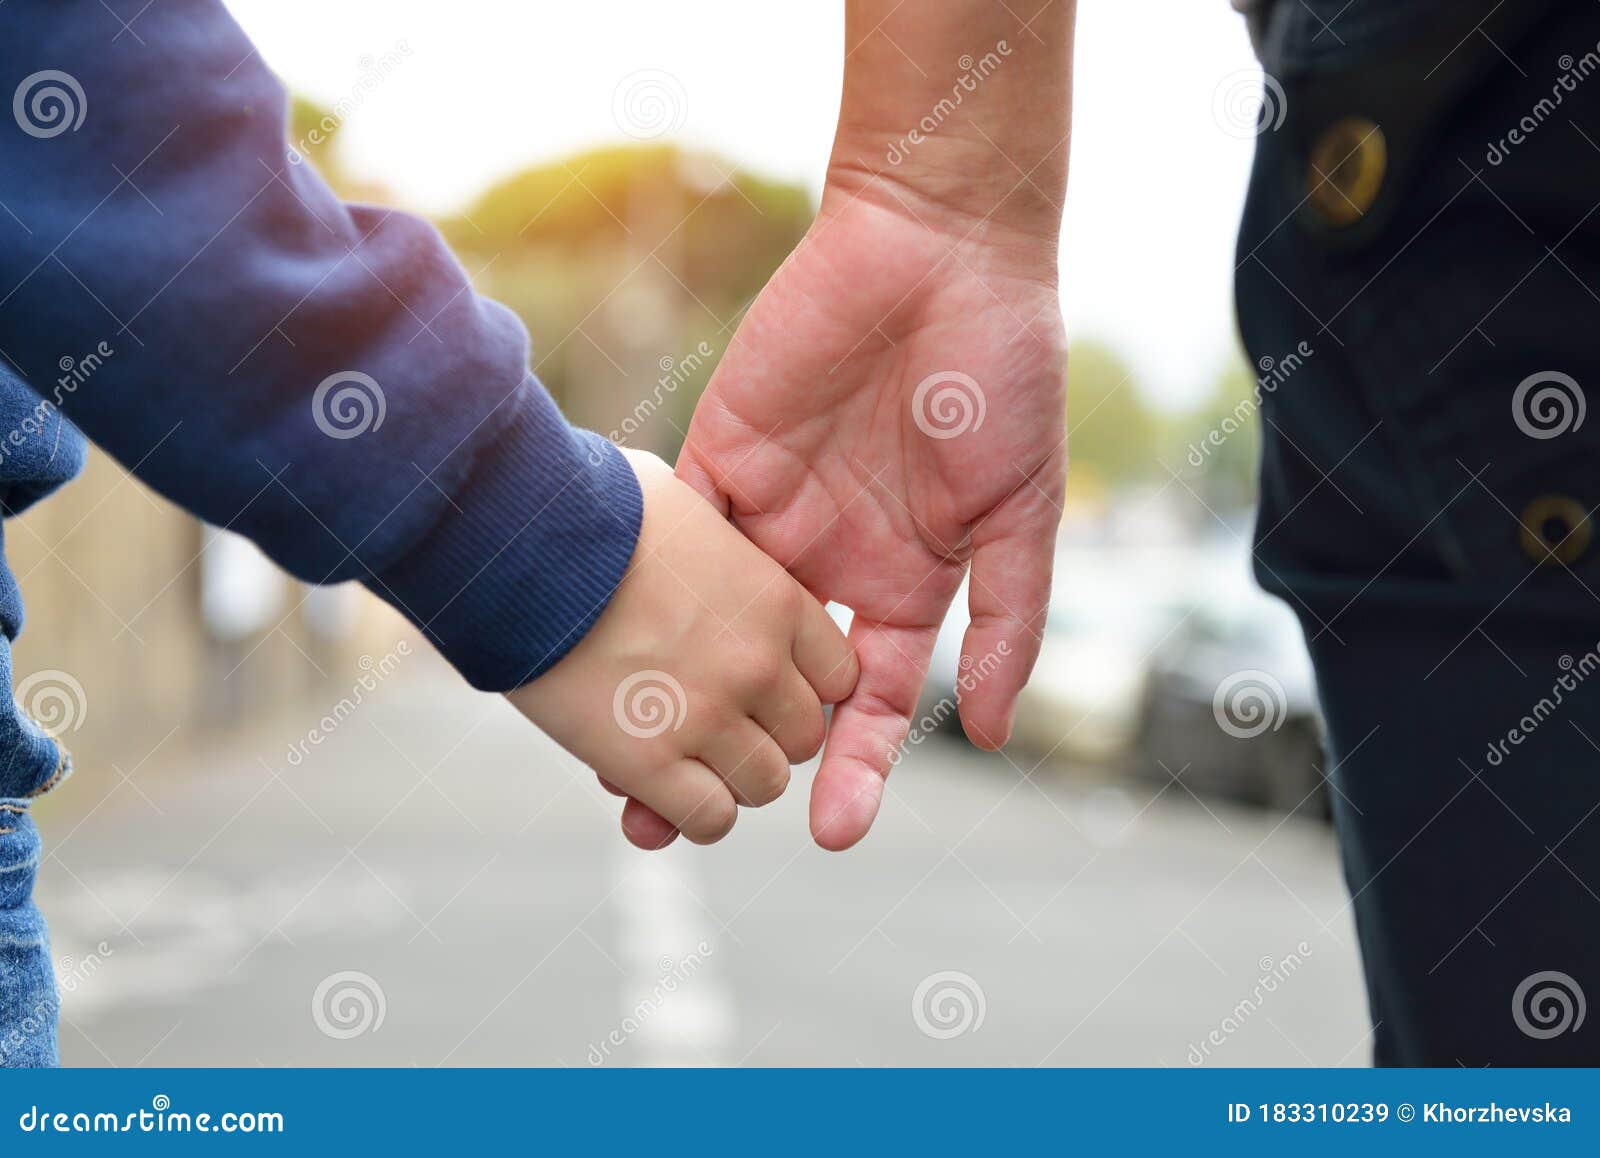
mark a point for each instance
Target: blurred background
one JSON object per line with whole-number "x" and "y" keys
{"x": 293, "y": 837}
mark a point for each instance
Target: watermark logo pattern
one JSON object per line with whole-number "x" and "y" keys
{"x": 649, "y": 103}
{"x": 948, "y": 1004}
{"x": 54, "y": 700}
{"x": 48, "y": 103}
{"x": 348, "y": 404}
{"x": 1248, "y": 703}
{"x": 649, "y": 703}
{"x": 1548, "y": 1004}
{"x": 947, "y": 404}
{"x": 1248, "y": 103}
{"x": 1548, "y": 404}
{"x": 348, "y": 1004}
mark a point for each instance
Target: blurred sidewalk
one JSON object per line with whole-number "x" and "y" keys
{"x": 436, "y": 883}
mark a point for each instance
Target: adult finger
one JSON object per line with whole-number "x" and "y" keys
{"x": 868, "y": 728}
{"x": 1008, "y": 596}
{"x": 692, "y": 470}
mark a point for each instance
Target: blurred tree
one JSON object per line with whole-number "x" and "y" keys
{"x": 630, "y": 266}
{"x": 313, "y": 133}
{"x": 1217, "y": 442}
{"x": 1113, "y": 435}
{"x": 312, "y": 128}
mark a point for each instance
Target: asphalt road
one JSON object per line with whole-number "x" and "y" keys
{"x": 437, "y": 884}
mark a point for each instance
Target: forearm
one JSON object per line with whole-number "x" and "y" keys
{"x": 962, "y": 105}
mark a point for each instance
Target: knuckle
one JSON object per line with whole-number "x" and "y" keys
{"x": 769, "y": 782}
{"x": 783, "y": 601}
{"x": 712, "y": 819}
{"x": 763, "y": 674}
{"x": 651, "y": 754}
{"x": 802, "y": 734}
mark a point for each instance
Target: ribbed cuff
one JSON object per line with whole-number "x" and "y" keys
{"x": 518, "y": 569}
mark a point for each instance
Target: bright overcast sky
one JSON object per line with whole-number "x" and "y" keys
{"x": 490, "y": 86}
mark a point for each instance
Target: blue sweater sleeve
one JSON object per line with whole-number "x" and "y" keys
{"x": 317, "y": 376}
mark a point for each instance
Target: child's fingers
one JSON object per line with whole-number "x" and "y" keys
{"x": 640, "y": 824}
{"x": 822, "y": 653}
{"x": 750, "y": 761}
{"x": 794, "y": 719}
{"x": 644, "y": 828}
{"x": 691, "y": 797}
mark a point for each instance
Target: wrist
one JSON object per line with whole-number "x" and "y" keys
{"x": 528, "y": 551}
{"x": 953, "y": 186}
{"x": 1014, "y": 233}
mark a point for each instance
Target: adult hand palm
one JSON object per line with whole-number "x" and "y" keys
{"x": 892, "y": 409}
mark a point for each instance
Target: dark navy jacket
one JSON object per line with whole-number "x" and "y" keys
{"x": 319, "y": 377}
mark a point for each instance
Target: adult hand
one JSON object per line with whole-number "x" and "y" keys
{"x": 891, "y": 410}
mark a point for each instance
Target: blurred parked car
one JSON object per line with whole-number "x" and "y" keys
{"x": 1229, "y": 705}
{"x": 939, "y": 700}
{"x": 1108, "y": 609}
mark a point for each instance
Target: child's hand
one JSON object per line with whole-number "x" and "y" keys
{"x": 705, "y": 676}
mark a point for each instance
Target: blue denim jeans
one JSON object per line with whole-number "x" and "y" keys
{"x": 38, "y": 451}
{"x": 1426, "y": 330}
